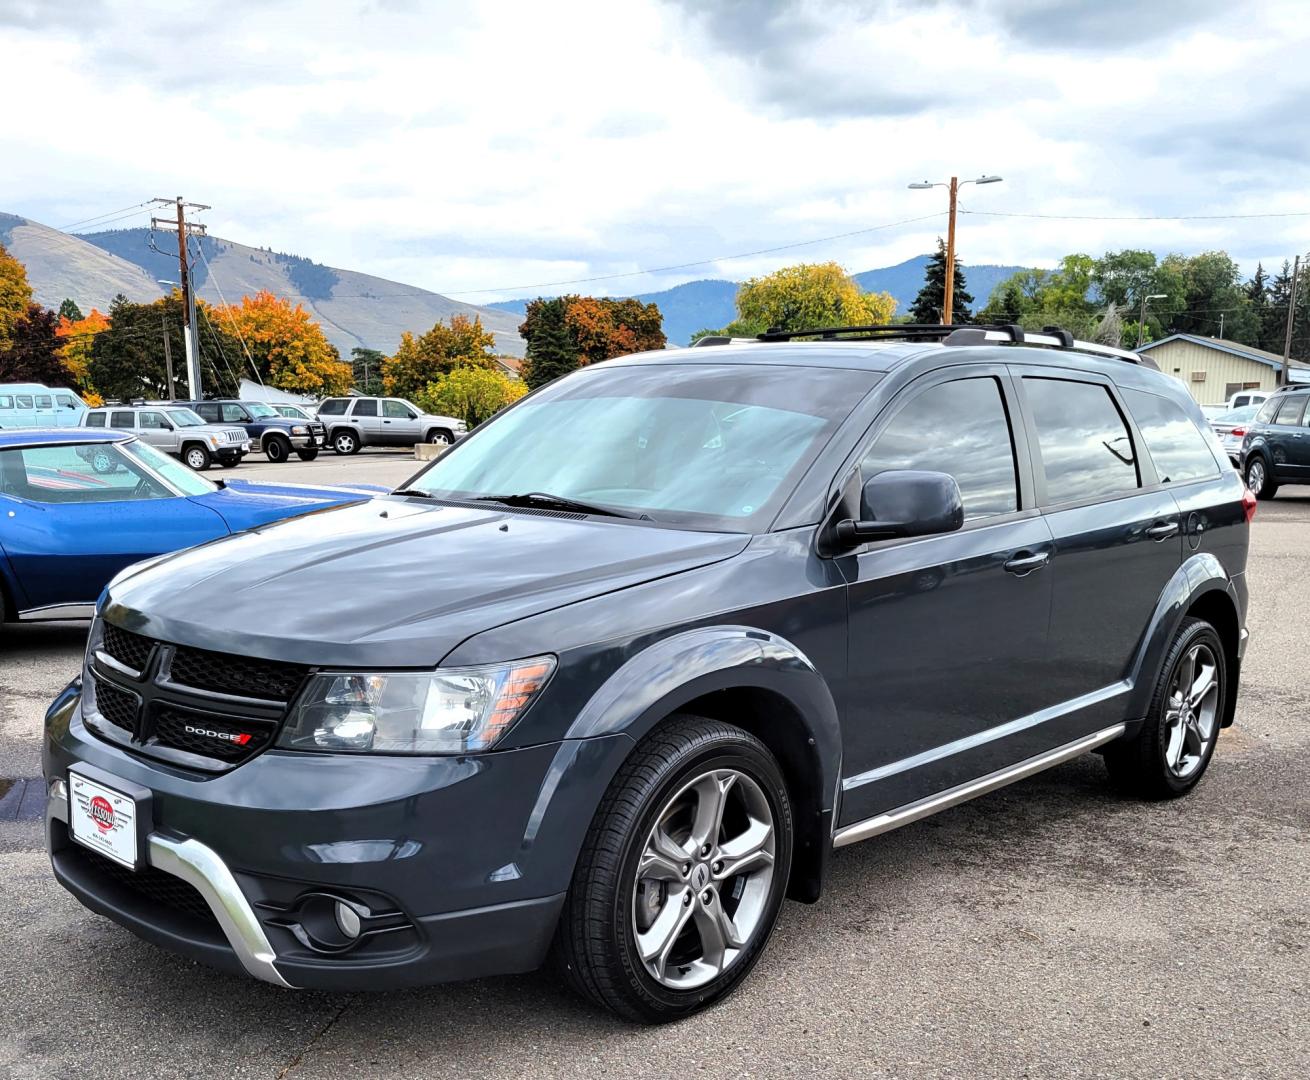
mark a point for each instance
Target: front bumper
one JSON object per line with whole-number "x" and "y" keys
{"x": 465, "y": 862}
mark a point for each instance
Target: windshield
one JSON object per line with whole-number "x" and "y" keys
{"x": 258, "y": 410}
{"x": 714, "y": 447}
{"x": 184, "y": 418}
{"x": 173, "y": 471}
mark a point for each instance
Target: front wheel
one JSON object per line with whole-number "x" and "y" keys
{"x": 196, "y": 457}
{"x": 277, "y": 450}
{"x": 1259, "y": 479}
{"x": 440, "y": 437}
{"x": 307, "y": 455}
{"x": 681, "y": 876}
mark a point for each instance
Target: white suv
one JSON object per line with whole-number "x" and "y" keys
{"x": 382, "y": 421}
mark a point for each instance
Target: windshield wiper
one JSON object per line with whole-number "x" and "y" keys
{"x": 417, "y": 492}
{"x": 559, "y": 502}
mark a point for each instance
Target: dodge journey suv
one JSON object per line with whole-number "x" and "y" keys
{"x": 618, "y": 673}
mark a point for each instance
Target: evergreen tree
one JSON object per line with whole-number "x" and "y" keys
{"x": 33, "y": 354}
{"x": 367, "y": 366}
{"x": 1275, "y": 323}
{"x": 552, "y": 350}
{"x": 70, "y": 311}
{"x": 928, "y": 305}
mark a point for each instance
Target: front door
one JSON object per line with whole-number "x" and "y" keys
{"x": 947, "y": 633}
{"x": 400, "y": 424}
{"x": 157, "y": 431}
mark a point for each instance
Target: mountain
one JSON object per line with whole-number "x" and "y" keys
{"x": 711, "y": 302}
{"x": 354, "y": 309}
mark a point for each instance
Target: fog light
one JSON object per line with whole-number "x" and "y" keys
{"x": 59, "y": 789}
{"x": 347, "y": 920}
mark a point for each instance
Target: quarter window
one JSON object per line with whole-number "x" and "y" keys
{"x": 95, "y": 419}
{"x": 1086, "y": 450}
{"x": 366, "y": 407}
{"x": 959, "y": 428}
{"x": 1289, "y": 411}
{"x": 1176, "y": 445}
{"x": 1267, "y": 410}
{"x": 333, "y": 407}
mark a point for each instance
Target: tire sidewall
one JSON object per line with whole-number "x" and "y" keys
{"x": 1267, "y": 485}
{"x": 348, "y": 437}
{"x": 439, "y": 437}
{"x": 660, "y": 1001}
{"x": 277, "y": 449}
{"x": 1193, "y": 634}
{"x": 202, "y": 458}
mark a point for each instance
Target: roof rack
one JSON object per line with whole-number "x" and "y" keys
{"x": 1051, "y": 337}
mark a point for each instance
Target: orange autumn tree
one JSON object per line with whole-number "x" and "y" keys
{"x": 77, "y": 336}
{"x": 287, "y": 347}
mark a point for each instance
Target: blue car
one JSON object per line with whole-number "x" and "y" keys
{"x": 77, "y": 506}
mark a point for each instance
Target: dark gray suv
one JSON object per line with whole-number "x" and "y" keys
{"x": 618, "y": 672}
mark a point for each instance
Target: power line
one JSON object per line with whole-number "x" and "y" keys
{"x": 1135, "y": 217}
{"x": 115, "y": 220}
{"x": 227, "y": 308}
{"x": 97, "y": 217}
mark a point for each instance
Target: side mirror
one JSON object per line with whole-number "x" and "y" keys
{"x": 905, "y": 502}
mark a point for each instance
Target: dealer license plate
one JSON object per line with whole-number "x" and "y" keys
{"x": 102, "y": 819}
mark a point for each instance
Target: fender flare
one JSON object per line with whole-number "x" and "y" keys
{"x": 1200, "y": 574}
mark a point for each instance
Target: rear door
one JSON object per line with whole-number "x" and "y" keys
{"x": 1118, "y": 538}
{"x": 366, "y": 421}
{"x": 1286, "y": 438}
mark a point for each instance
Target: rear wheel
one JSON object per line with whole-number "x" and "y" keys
{"x": 1259, "y": 478}
{"x": 345, "y": 441}
{"x": 1171, "y": 752}
{"x": 277, "y": 449}
{"x": 196, "y": 457}
{"x": 682, "y": 874}
{"x": 307, "y": 455}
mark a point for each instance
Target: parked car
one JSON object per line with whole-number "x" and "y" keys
{"x": 1276, "y": 446}
{"x": 31, "y": 405}
{"x": 1230, "y": 430}
{"x": 613, "y": 696}
{"x": 79, "y": 505}
{"x": 275, "y": 435}
{"x": 175, "y": 430}
{"x": 352, "y": 423}
{"x": 292, "y": 412}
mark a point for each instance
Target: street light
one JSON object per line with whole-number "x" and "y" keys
{"x": 954, "y": 185}
{"x": 1141, "y": 320}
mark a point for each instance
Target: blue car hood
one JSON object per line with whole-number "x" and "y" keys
{"x": 393, "y": 582}
{"x": 243, "y": 504}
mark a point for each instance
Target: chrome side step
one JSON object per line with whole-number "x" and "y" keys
{"x": 943, "y": 800}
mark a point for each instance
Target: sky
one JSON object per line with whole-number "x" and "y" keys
{"x": 488, "y": 150}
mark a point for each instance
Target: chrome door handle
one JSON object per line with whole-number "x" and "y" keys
{"x": 1163, "y": 531}
{"x": 1025, "y": 562}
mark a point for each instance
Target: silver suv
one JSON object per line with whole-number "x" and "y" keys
{"x": 177, "y": 431}
{"x": 381, "y": 421}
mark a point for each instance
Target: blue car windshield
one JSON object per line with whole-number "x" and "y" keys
{"x": 172, "y": 471}
{"x": 704, "y": 446}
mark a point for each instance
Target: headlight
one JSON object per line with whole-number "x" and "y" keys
{"x": 300, "y": 429}
{"x": 447, "y": 711}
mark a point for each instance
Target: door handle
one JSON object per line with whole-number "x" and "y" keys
{"x": 1025, "y": 562}
{"x": 1162, "y": 530}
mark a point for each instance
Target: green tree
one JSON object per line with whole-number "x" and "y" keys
{"x": 420, "y": 360}
{"x": 1206, "y": 291}
{"x": 1122, "y": 278}
{"x": 929, "y": 305}
{"x": 366, "y": 369}
{"x": 15, "y": 295}
{"x": 472, "y": 393}
{"x": 808, "y": 296}
{"x": 70, "y": 311}
{"x": 552, "y": 350}
{"x": 1257, "y": 293}
{"x": 34, "y": 350}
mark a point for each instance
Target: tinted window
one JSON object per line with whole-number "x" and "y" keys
{"x": 122, "y": 420}
{"x": 1176, "y": 445}
{"x": 366, "y": 407}
{"x": 1289, "y": 410}
{"x": 207, "y": 412}
{"x": 397, "y": 410}
{"x": 959, "y": 428}
{"x": 1086, "y": 450}
{"x": 234, "y": 414}
{"x": 333, "y": 407}
{"x": 95, "y": 419}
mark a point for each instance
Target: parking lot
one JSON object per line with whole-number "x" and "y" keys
{"x": 1052, "y": 928}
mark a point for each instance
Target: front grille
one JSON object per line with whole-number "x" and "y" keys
{"x": 155, "y": 885}
{"x": 243, "y": 676}
{"x": 236, "y": 435}
{"x": 206, "y": 735}
{"x": 126, "y": 647}
{"x": 117, "y": 706}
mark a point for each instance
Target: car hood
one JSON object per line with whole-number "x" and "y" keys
{"x": 394, "y": 582}
{"x": 243, "y": 504}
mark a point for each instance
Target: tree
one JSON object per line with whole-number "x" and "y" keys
{"x": 15, "y": 296}
{"x": 552, "y": 352}
{"x": 1122, "y": 278}
{"x": 471, "y": 393}
{"x": 366, "y": 369}
{"x": 603, "y": 328}
{"x": 423, "y": 359}
{"x": 929, "y": 305}
{"x": 1205, "y": 296}
{"x": 76, "y": 337}
{"x": 70, "y": 311}
{"x": 807, "y": 296}
{"x": 287, "y": 347}
{"x": 33, "y": 351}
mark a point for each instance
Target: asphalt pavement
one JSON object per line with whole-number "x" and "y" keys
{"x": 1052, "y": 929}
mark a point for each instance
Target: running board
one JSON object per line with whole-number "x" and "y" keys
{"x": 944, "y": 800}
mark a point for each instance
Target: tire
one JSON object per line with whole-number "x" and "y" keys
{"x": 597, "y": 948}
{"x": 440, "y": 436}
{"x": 307, "y": 455}
{"x": 345, "y": 441}
{"x": 1259, "y": 477}
{"x": 103, "y": 462}
{"x": 277, "y": 449}
{"x": 196, "y": 457}
{"x": 1144, "y": 765}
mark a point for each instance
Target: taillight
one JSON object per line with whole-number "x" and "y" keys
{"x": 1248, "y": 504}
{"x": 1238, "y": 432}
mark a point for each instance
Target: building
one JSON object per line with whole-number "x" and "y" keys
{"x": 1215, "y": 369}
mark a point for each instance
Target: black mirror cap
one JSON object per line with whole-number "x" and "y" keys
{"x": 905, "y": 502}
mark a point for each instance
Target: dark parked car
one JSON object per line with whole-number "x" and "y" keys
{"x": 610, "y": 697}
{"x": 1276, "y": 447}
{"x": 269, "y": 431}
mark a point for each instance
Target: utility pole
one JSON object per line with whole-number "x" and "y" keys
{"x": 168, "y": 360}
{"x": 1291, "y": 317}
{"x": 949, "y": 302}
{"x": 190, "y": 334}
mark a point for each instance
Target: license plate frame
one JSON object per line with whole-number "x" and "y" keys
{"x": 108, "y": 816}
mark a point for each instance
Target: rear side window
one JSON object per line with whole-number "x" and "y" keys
{"x": 95, "y": 419}
{"x": 1178, "y": 448}
{"x": 122, "y": 420}
{"x": 24, "y": 401}
{"x": 333, "y": 407}
{"x": 44, "y": 401}
{"x": 206, "y": 412}
{"x": 6, "y": 402}
{"x": 1289, "y": 410}
{"x": 959, "y": 428}
{"x": 366, "y": 407}
{"x": 1086, "y": 450}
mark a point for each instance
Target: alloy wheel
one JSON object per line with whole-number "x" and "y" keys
{"x": 439, "y": 438}
{"x": 1192, "y": 711}
{"x": 1255, "y": 476}
{"x": 704, "y": 879}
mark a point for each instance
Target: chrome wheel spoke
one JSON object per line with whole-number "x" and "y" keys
{"x": 656, "y": 943}
{"x": 751, "y": 850}
{"x": 711, "y": 799}
{"x": 663, "y": 859}
{"x": 718, "y": 934}
{"x": 1206, "y": 683}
